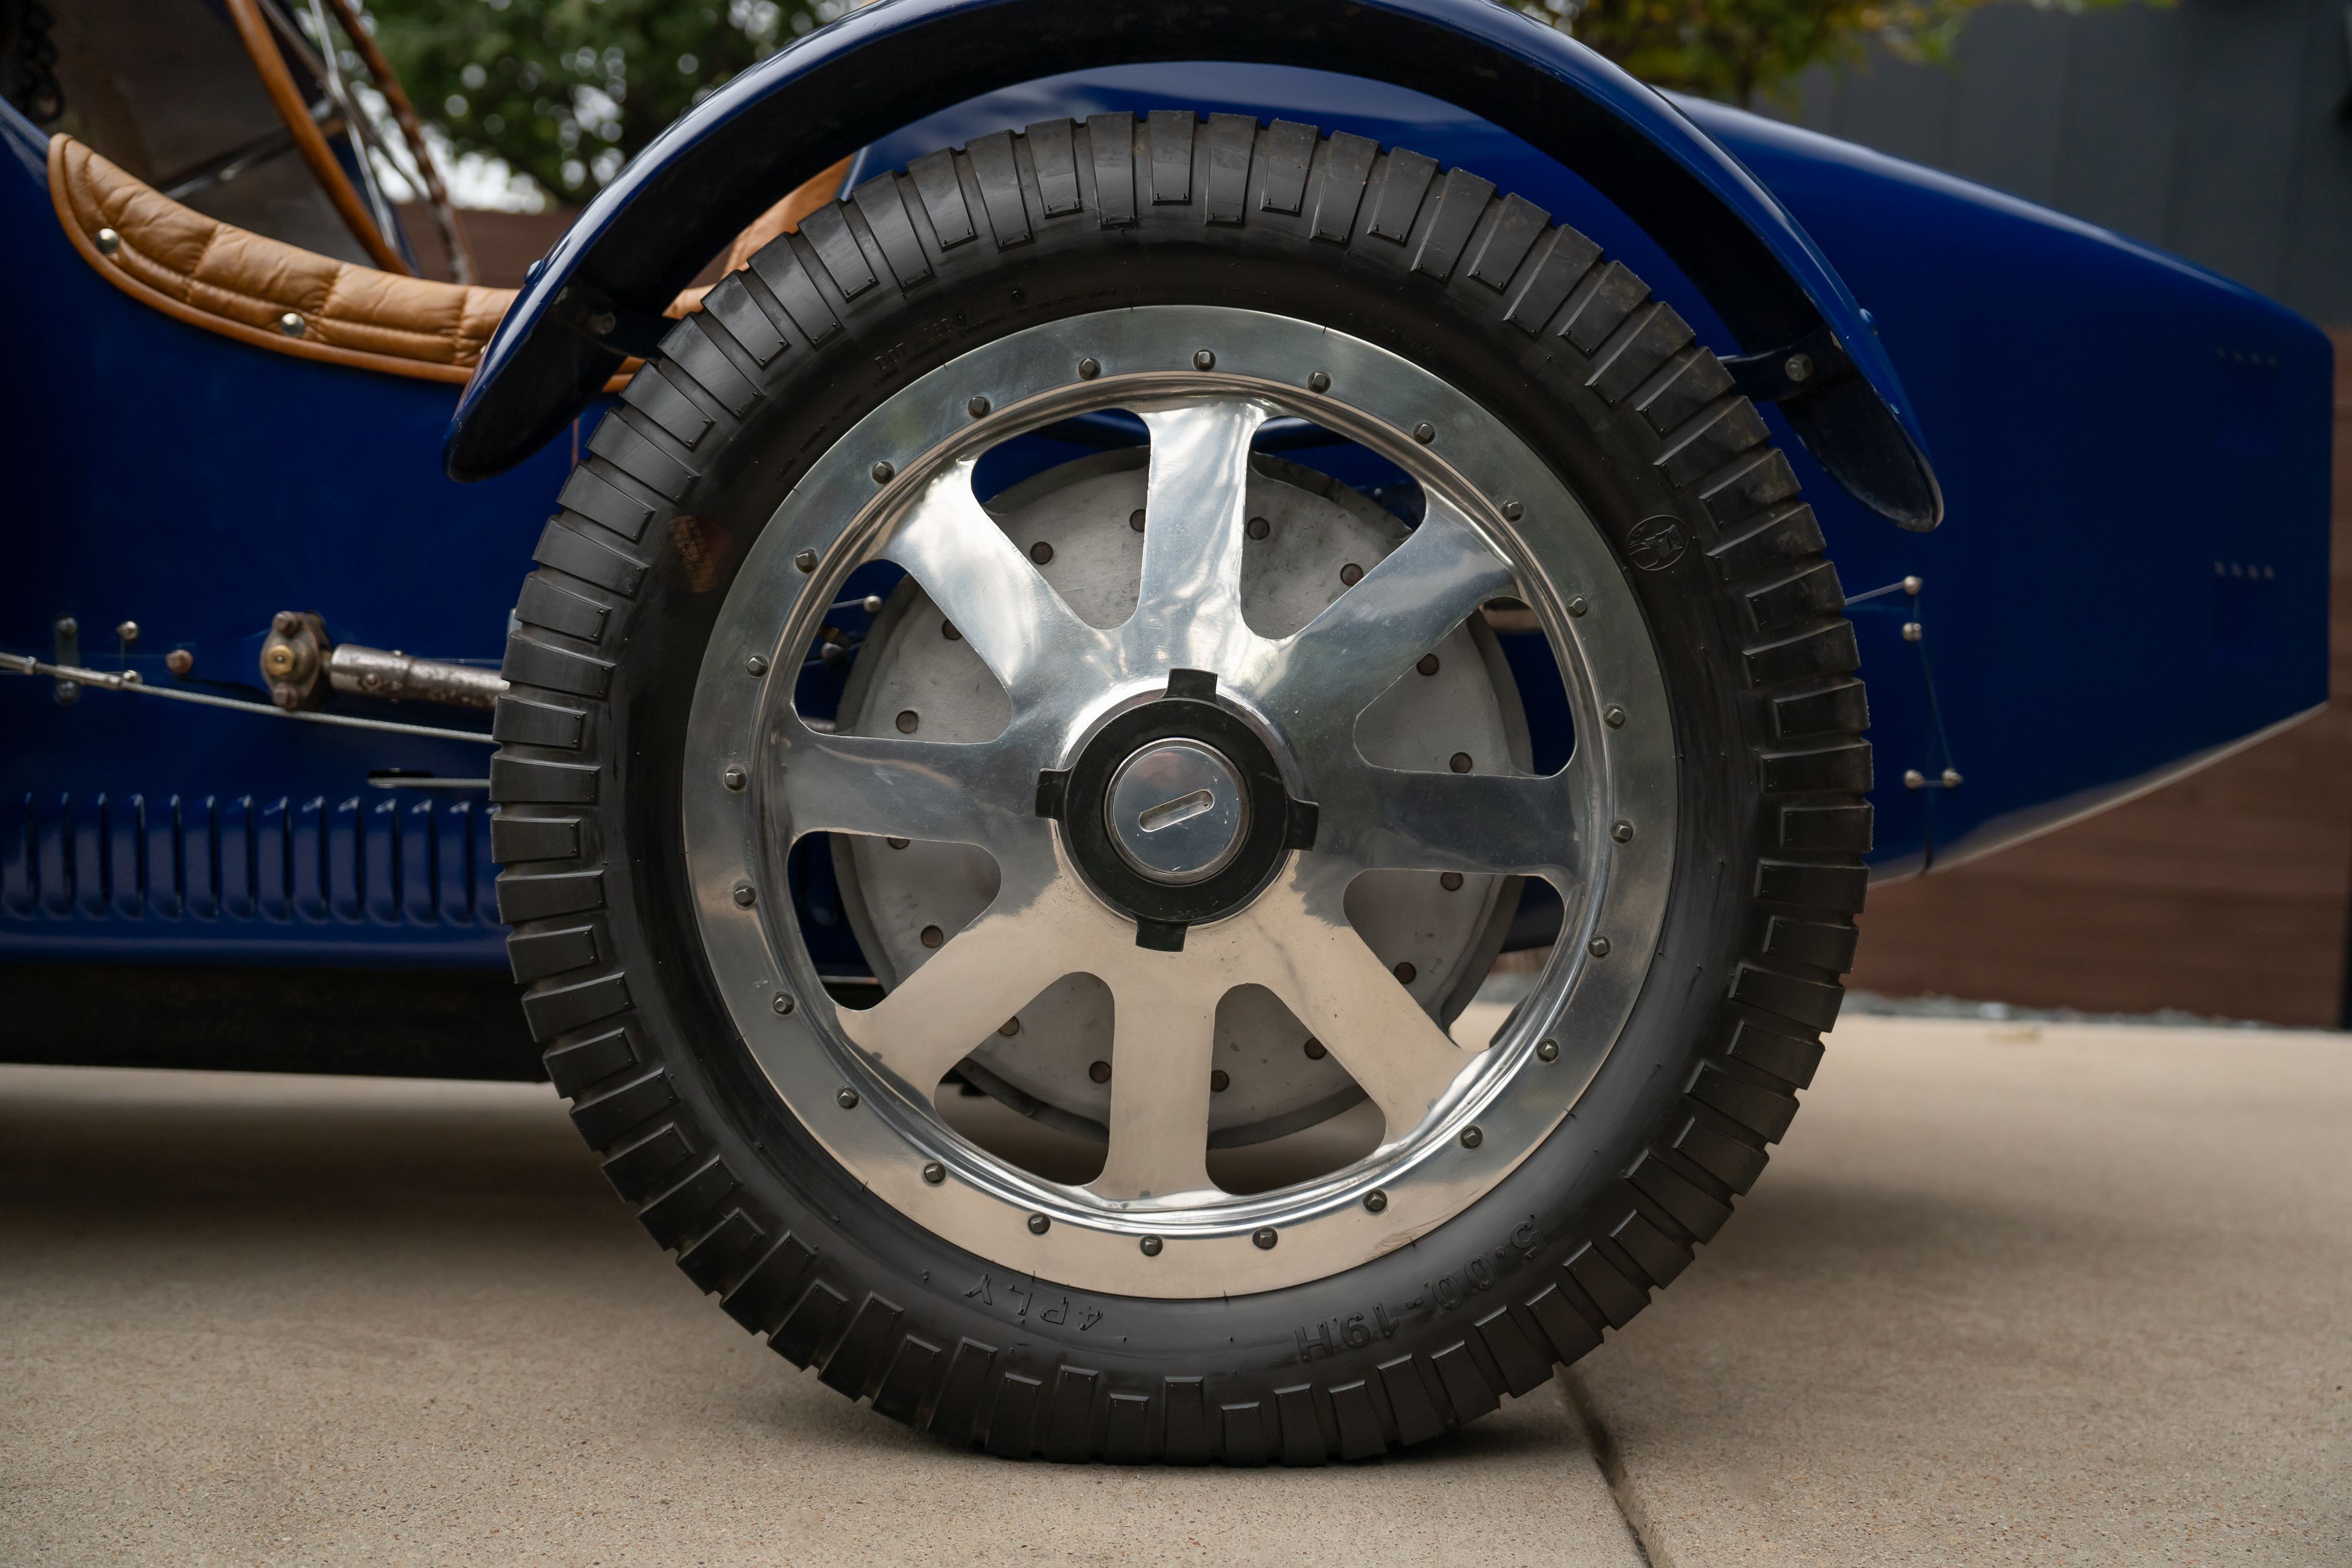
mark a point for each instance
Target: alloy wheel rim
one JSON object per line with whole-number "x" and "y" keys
{"x": 1497, "y": 524}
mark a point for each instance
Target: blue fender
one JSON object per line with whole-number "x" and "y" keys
{"x": 825, "y": 95}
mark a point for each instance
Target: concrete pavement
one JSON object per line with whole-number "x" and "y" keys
{"x": 2054, "y": 1295}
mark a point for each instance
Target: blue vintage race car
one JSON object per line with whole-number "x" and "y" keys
{"x": 1183, "y": 776}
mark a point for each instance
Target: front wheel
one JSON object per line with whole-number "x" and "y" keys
{"x": 1182, "y": 791}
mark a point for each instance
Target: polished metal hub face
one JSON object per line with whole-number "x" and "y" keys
{"x": 1176, "y": 812}
{"x": 1376, "y": 817}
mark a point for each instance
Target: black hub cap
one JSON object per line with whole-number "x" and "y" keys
{"x": 1220, "y": 876}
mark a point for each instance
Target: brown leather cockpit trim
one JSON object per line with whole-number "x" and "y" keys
{"x": 227, "y": 280}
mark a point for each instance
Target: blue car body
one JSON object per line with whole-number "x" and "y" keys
{"x": 2130, "y": 579}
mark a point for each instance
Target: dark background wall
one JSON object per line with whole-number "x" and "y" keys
{"x": 2216, "y": 128}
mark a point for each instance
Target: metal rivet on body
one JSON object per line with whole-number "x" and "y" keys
{"x": 744, "y": 895}
{"x": 935, "y": 1172}
{"x": 1151, "y": 1246}
{"x": 734, "y": 779}
{"x": 1913, "y": 631}
{"x": 1039, "y": 1225}
{"x": 884, "y": 473}
{"x": 1614, "y": 718}
{"x": 1799, "y": 366}
{"x": 126, "y": 630}
{"x": 1204, "y": 361}
{"x": 1951, "y": 778}
{"x": 783, "y": 1004}
{"x": 1319, "y": 381}
{"x": 1598, "y": 946}
{"x": 1266, "y": 1238}
{"x": 805, "y": 560}
{"x": 847, "y": 1098}
{"x": 1089, "y": 368}
{"x": 977, "y": 408}
{"x": 1912, "y": 585}
{"x": 1577, "y": 606}
{"x": 108, "y": 242}
{"x": 290, "y": 324}
{"x": 1547, "y": 1050}
{"x": 1425, "y": 434}
{"x": 179, "y": 661}
{"x": 1914, "y": 779}
{"x": 1376, "y": 1201}
{"x": 755, "y": 666}
{"x": 1472, "y": 1137}
{"x": 1623, "y": 832}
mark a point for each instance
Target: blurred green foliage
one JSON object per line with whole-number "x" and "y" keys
{"x": 1740, "y": 50}
{"x": 568, "y": 90}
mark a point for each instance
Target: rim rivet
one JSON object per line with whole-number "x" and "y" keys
{"x": 846, "y": 1099}
{"x": 1039, "y": 1225}
{"x": 1577, "y": 606}
{"x": 1547, "y": 1050}
{"x": 783, "y": 1004}
{"x": 1204, "y": 361}
{"x": 977, "y": 408}
{"x": 1623, "y": 832}
{"x": 1376, "y": 1201}
{"x": 884, "y": 473}
{"x": 805, "y": 560}
{"x": 1598, "y": 946}
{"x": 1514, "y": 511}
{"x": 1319, "y": 381}
{"x": 744, "y": 896}
{"x": 1089, "y": 368}
{"x": 755, "y": 666}
{"x": 1266, "y": 1238}
{"x": 1151, "y": 1246}
{"x": 935, "y": 1172}
{"x": 1425, "y": 434}
{"x": 734, "y": 779}
{"x": 1472, "y": 1137}
{"x": 1614, "y": 718}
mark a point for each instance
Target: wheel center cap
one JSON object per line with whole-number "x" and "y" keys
{"x": 1177, "y": 812}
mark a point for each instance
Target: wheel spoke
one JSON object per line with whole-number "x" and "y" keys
{"x": 972, "y": 794}
{"x": 1335, "y": 667}
{"x": 1163, "y": 1039}
{"x": 1189, "y": 611}
{"x": 985, "y": 973}
{"x": 1302, "y": 949}
{"x": 1379, "y": 818}
{"x": 1020, "y": 627}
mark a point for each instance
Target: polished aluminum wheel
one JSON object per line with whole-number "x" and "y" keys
{"x": 1188, "y": 766}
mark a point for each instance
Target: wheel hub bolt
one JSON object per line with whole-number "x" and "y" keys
{"x": 1623, "y": 832}
{"x": 1265, "y": 1240}
{"x": 784, "y": 1004}
{"x": 735, "y": 777}
{"x": 1151, "y": 1246}
{"x": 1039, "y": 1225}
{"x": 744, "y": 896}
{"x": 1547, "y": 1050}
{"x": 1472, "y": 1137}
{"x": 1598, "y": 948}
{"x": 935, "y": 1172}
{"x": 846, "y": 1099}
{"x": 1178, "y": 811}
{"x": 1376, "y": 1201}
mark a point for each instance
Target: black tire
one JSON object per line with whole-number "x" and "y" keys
{"x": 1561, "y": 342}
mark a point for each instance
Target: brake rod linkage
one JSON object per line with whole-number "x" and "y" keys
{"x": 129, "y": 681}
